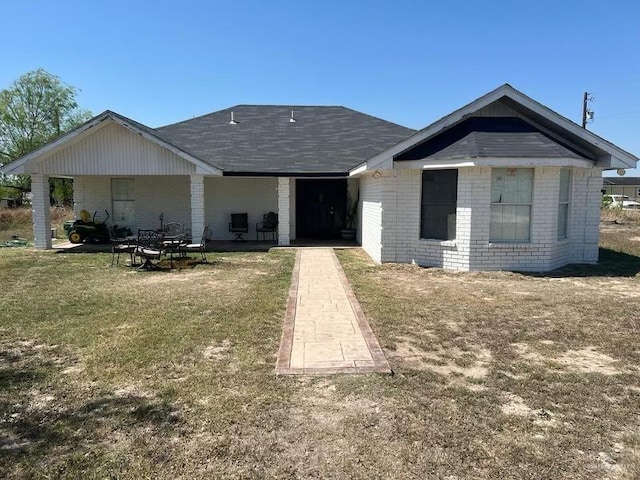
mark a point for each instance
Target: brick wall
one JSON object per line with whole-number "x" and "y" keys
{"x": 400, "y": 232}
{"x": 370, "y": 216}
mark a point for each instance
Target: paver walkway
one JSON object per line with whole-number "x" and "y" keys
{"x": 325, "y": 330}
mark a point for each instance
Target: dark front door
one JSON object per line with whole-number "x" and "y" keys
{"x": 320, "y": 208}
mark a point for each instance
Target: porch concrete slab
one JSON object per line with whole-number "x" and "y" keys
{"x": 325, "y": 330}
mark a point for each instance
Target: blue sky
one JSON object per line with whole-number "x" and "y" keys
{"x": 409, "y": 62}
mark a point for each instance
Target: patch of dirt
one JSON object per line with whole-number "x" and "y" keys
{"x": 217, "y": 352}
{"x": 451, "y": 361}
{"x": 586, "y": 360}
{"x": 515, "y": 405}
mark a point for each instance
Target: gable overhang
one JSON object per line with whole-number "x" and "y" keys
{"x": 32, "y": 162}
{"x": 606, "y": 154}
{"x": 499, "y": 162}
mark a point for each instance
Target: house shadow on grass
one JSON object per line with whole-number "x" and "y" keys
{"x": 610, "y": 264}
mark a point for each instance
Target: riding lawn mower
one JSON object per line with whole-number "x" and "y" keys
{"x": 88, "y": 229}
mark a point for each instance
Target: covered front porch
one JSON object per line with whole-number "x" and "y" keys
{"x": 309, "y": 210}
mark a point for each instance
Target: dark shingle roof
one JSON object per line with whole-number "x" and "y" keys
{"x": 328, "y": 140}
{"x": 479, "y": 137}
{"x": 621, "y": 180}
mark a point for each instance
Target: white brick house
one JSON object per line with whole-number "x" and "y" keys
{"x": 503, "y": 183}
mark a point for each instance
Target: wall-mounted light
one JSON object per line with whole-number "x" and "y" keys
{"x": 377, "y": 174}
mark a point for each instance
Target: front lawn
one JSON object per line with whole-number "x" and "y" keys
{"x": 107, "y": 372}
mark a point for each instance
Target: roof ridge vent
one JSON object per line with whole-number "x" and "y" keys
{"x": 292, "y": 120}
{"x": 232, "y": 122}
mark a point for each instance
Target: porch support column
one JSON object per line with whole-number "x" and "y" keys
{"x": 40, "y": 210}
{"x": 283, "y": 211}
{"x": 197, "y": 207}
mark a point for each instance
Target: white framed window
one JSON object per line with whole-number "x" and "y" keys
{"x": 563, "y": 203}
{"x": 123, "y": 201}
{"x": 511, "y": 199}
{"x": 438, "y": 205}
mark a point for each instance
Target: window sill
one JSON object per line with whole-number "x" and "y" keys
{"x": 440, "y": 243}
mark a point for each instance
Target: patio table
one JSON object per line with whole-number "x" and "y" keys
{"x": 172, "y": 244}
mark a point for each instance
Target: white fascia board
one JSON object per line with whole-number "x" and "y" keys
{"x": 358, "y": 170}
{"x": 433, "y": 164}
{"x": 427, "y": 164}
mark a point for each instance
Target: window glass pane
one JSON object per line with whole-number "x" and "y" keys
{"x": 439, "y": 200}
{"x": 563, "y": 217}
{"x": 495, "y": 230}
{"x": 122, "y": 188}
{"x": 497, "y": 184}
{"x": 123, "y": 212}
{"x": 565, "y": 184}
{"x": 525, "y": 185}
{"x": 511, "y": 185}
{"x": 122, "y": 196}
{"x": 523, "y": 220}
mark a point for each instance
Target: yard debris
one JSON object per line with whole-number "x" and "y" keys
{"x": 15, "y": 241}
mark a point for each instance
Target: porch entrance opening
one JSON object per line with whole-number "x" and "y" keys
{"x": 320, "y": 208}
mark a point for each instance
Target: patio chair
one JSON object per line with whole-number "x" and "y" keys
{"x": 239, "y": 225}
{"x": 122, "y": 245}
{"x": 269, "y": 224}
{"x": 198, "y": 247}
{"x": 149, "y": 247}
{"x": 173, "y": 230}
{"x": 174, "y": 237}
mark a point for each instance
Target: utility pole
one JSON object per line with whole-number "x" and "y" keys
{"x": 586, "y": 113}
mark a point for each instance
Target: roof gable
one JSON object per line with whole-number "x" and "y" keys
{"x": 490, "y": 137}
{"x": 548, "y": 122}
{"x": 24, "y": 164}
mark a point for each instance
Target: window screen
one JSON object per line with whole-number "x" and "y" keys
{"x": 439, "y": 199}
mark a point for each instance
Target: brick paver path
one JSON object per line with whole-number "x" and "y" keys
{"x": 325, "y": 330}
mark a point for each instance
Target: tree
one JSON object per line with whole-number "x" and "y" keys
{"x": 35, "y": 109}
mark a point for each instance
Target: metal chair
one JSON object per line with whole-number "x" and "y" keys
{"x": 149, "y": 247}
{"x": 173, "y": 229}
{"x": 269, "y": 224}
{"x": 122, "y": 245}
{"x": 198, "y": 247}
{"x": 239, "y": 225}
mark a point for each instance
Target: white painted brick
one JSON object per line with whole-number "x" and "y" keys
{"x": 399, "y": 194}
